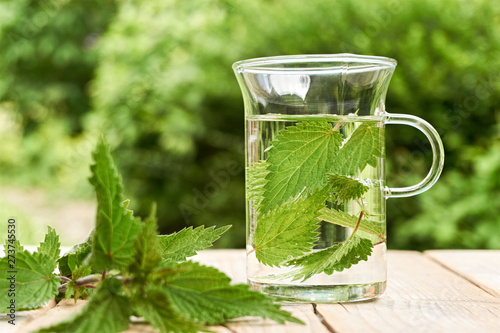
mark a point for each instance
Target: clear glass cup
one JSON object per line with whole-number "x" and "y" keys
{"x": 315, "y": 180}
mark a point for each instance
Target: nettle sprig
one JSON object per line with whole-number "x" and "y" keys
{"x": 308, "y": 166}
{"x": 125, "y": 268}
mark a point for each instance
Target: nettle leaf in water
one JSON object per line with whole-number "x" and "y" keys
{"x": 256, "y": 180}
{"x": 307, "y": 165}
{"x": 346, "y": 220}
{"x": 345, "y": 189}
{"x": 333, "y": 259}
{"x": 362, "y": 148}
{"x": 289, "y": 230}
{"x": 298, "y": 159}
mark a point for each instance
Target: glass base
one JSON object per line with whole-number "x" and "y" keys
{"x": 321, "y": 294}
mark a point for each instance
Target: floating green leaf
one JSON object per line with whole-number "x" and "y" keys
{"x": 362, "y": 148}
{"x": 302, "y": 160}
{"x": 345, "y": 189}
{"x": 256, "y": 180}
{"x": 288, "y": 230}
{"x": 298, "y": 160}
{"x": 335, "y": 258}
{"x": 347, "y": 220}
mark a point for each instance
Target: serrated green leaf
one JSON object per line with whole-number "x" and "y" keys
{"x": 345, "y": 189}
{"x": 347, "y": 220}
{"x": 51, "y": 245}
{"x": 204, "y": 294}
{"x": 75, "y": 256}
{"x": 35, "y": 284}
{"x": 362, "y": 148}
{"x": 298, "y": 160}
{"x": 288, "y": 230}
{"x": 116, "y": 228}
{"x": 107, "y": 311}
{"x": 147, "y": 249}
{"x": 155, "y": 307}
{"x": 185, "y": 243}
{"x": 333, "y": 259}
{"x": 12, "y": 244}
{"x": 255, "y": 181}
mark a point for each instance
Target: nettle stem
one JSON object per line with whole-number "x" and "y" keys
{"x": 64, "y": 278}
{"x": 357, "y": 225}
{"x": 359, "y": 222}
{"x": 86, "y": 281}
{"x": 338, "y": 126}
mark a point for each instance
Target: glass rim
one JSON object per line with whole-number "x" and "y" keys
{"x": 265, "y": 65}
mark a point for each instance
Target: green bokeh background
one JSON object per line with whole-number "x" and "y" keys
{"x": 155, "y": 77}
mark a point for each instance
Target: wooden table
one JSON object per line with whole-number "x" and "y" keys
{"x": 435, "y": 291}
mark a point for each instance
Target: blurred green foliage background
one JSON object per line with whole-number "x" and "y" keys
{"x": 155, "y": 77}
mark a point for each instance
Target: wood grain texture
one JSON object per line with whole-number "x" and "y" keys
{"x": 232, "y": 262}
{"x": 54, "y": 315}
{"x": 481, "y": 267}
{"x": 439, "y": 291}
{"x": 23, "y": 317}
{"x": 422, "y": 296}
{"x": 304, "y": 312}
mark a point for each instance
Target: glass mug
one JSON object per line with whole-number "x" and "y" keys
{"x": 315, "y": 181}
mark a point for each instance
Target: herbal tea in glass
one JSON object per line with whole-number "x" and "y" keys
{"x": 315, "y": 181}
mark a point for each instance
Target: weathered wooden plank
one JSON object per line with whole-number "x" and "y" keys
{"x": 481, "y": 267}
{"x": 304, "y": 312}
{"x": 422, "y": 296}
{"x": 22, "y": 317}
{"x": 232, "y": 262}
{"x": 146, "y": 328}
{"x": 54, "y": 315}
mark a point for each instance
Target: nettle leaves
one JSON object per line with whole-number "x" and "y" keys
{"x": 309, "y": 165}
{"x": 298, "y": 160}
{"x": 116, "y": 227}
{"x": 125, "y": 268}
{"x": 28, "y": 277}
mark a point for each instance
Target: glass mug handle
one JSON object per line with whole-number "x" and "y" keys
{"x": 437, "y": 155}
